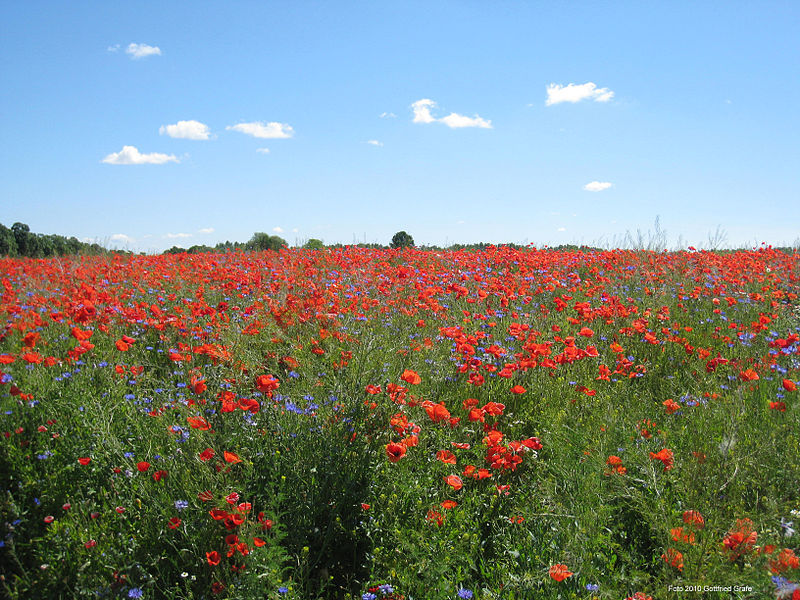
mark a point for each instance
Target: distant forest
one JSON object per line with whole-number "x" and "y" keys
{"x": 19, "y": 241}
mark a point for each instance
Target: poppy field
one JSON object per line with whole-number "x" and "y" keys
{"x": 401, "y": 424}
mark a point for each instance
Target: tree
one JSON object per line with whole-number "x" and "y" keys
{"x": 21, "y": 234}
{"x": 402, "y": 240}
{"x": 314, "y": 244}
{"x": 8, "y": 243}
{"x": 264, "y": 241}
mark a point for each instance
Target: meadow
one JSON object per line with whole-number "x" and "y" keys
{"x": 401, "y": 424}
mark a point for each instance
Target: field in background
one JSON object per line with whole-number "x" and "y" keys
{"x": 356, "y": 423}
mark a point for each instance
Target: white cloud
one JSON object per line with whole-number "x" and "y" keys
{"x": 173, "y": 236}
{"x": 295, "y": 230}
{"x": 557, "y": 93}
{"x": 277, "y": 229}
{"x": 121, "y": 237}
{"x": 422, "y": 114}
{"x": 375, "y": 143}
{"x": 262, "y": 150}
{"x": 113, "y": 48}
{"x": 186, "y": 130}
{"x": 456, "y": 121}
{"x": 261, "y": 130}
{"x": 387, "y": 115}
{"x": 422, "y": 111}
{"x": 129, "y": 155}
{"x": 597, "y": 186}
{"x": 206, "y": 230}
{"x": 561, "y": 229}
{"x": 137, "y": 51}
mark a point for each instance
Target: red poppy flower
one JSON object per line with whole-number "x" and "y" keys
{"x": 560, "y": 572}
{"x": 411, "y": 377}
{"x": 122, "y": 346}
{"x": 213, "y": 558}
{"x": 206, "y": 454}
{"x": 789, "y": 385}
{"x": 748, "y": 375}
{"x": 518, "y": 389}
{"x": 142, "y": 466}
{"x": 694, "y": 518}
{"x": 454, "y": 481}
{"x": 673, "y": 558}
{"x": 230, "y": 457}
{"x": 85, "y": 461}
{"x": 395, "y": 451}
{"x": 446, "y": 457}
{"x": 174, "y": 523}
{"x": 258, "y": 542}
{"x": 666, "y": 456}
{"x": 159, "y": 475}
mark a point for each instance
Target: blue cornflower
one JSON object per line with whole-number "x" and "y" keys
{"x": 181, "y": 504}
{"x": 464, "y": 593}
{"x": 135, "y": 593}
{"x": 385, "y": 589}
{"x": 283, "y": 590}
{"x": 368, "y": 596}
{"x": 592, "y": 587}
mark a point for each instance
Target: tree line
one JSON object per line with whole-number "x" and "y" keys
{"x": 19, "y": 241}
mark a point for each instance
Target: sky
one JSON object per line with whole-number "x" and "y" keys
{"x": 143, "y": 125}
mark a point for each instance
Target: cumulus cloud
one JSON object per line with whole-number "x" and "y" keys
{"x": 206, "y": 230}
{"x": 137, "y": 51}
{"x": 456, "y": 121}
{"x": 557, "y": 93}
{"x": 277, "y": 229}
{"x": 375, "y": 143}
{"x": 262, "y": 150}
{"x": 262, "y": 130}
{"x": 422, "y": 114}
{"x": 129, "y": 155}
{"x": 422, "y": 111}
{"x": 122, "y": 238}
{"x": 113, "y": 48}
{"x": 186, "y": 130}
{"x": 173, "y": 236}
{"x": 387, "y": 115}
{"x": 597, "y": 186}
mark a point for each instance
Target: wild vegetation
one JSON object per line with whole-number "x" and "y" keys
{"x": 398, "y": 423}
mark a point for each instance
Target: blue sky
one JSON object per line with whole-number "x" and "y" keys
{"x": 527, "y": 122}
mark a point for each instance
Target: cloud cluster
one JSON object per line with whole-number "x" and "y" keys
{"x": 186, "y": 130}
{"x": 130, "y": 155}
{"x": 597, "y": 186}
{"x": 137, "y": 51}
{"x": 261, "y": 130}
{"x": 556, "y": 93}
{"x": 422, "y": 114}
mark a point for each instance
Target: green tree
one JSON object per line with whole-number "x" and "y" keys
{"x": 8, "y": 243}
{"x": 21, "y": 234}
{"x": 264, "y": 241}
{"x": 314, "y": 244}
{"x": 402, "y": 240}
